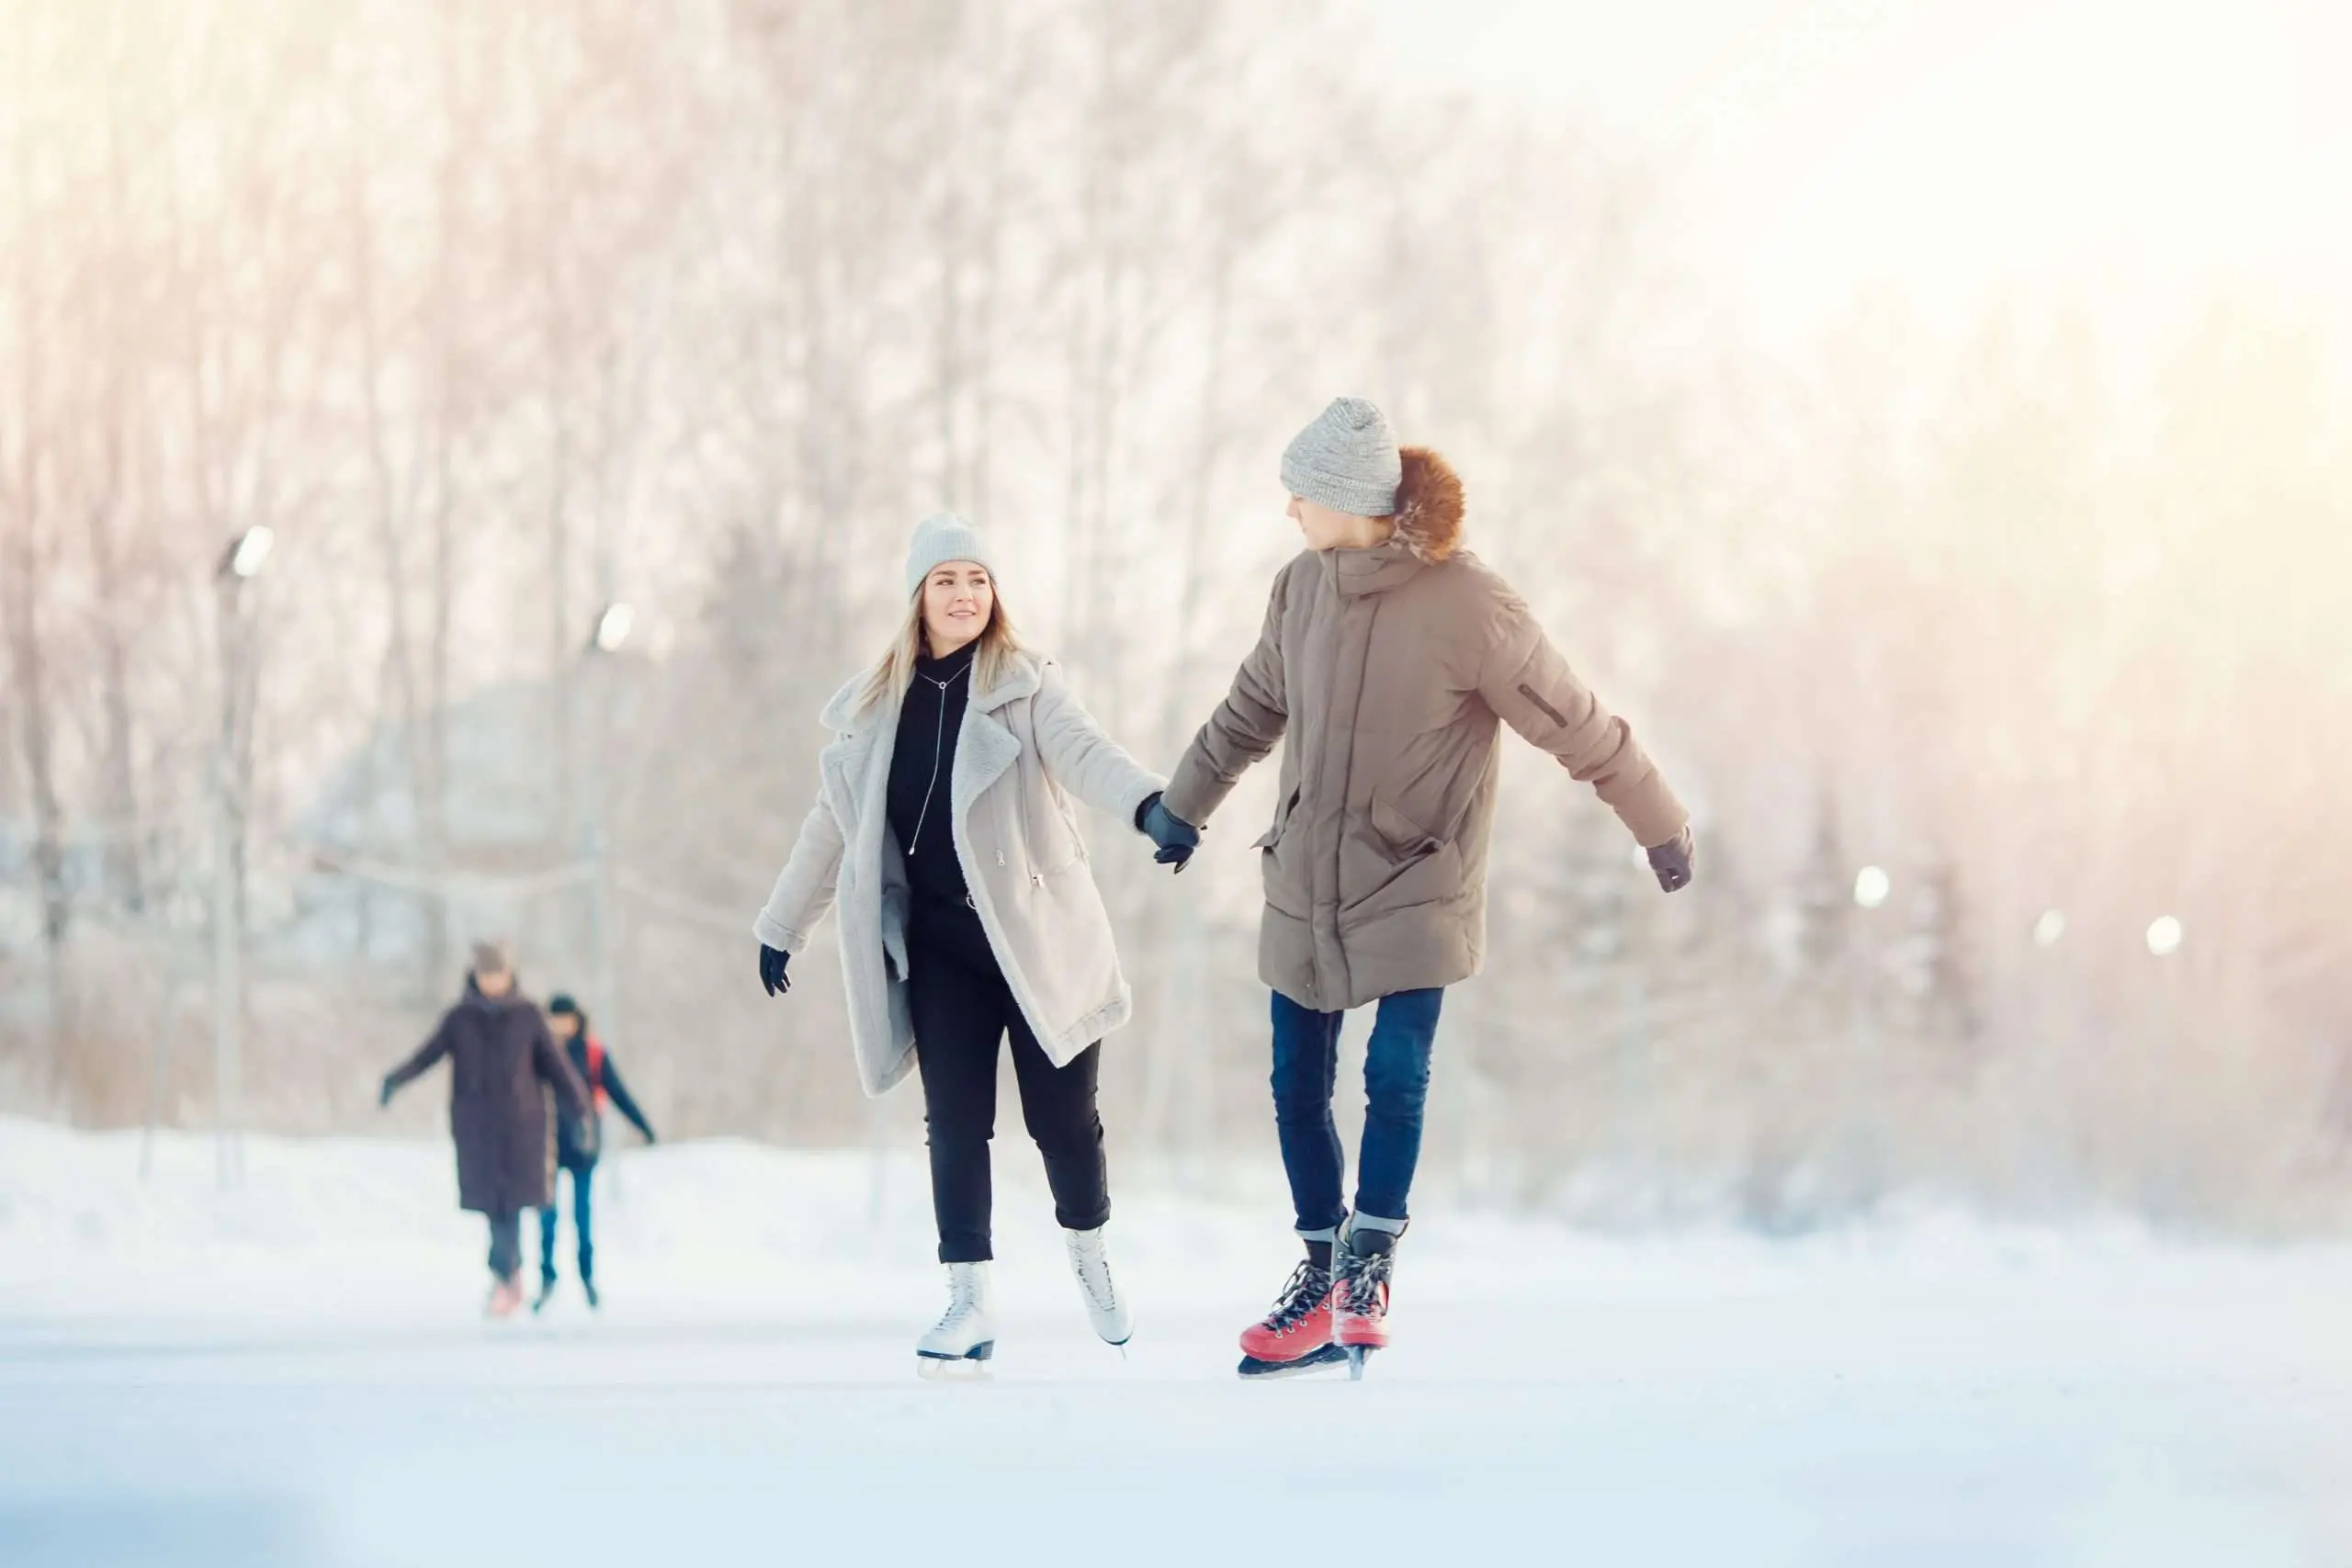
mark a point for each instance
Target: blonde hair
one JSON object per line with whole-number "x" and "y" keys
{"x": 895, "y": 671}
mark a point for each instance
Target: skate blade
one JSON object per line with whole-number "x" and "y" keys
{"x": 970, "y": 1366}
{"x": 1255, "y": 1371}
{"x": 1356, "y": 1355}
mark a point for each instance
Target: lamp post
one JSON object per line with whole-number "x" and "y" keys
{"x": 2171, "y": 1111}
{"x": 614, "y": 624}
{"x": 241, "y": 562}
{"x": 1872, "y": 887}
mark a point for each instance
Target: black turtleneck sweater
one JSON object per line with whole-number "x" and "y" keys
{"x": 921, "y": 769}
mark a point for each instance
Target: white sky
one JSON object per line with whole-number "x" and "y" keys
{"x": 1953, "y": 147}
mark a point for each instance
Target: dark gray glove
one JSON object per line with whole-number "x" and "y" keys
{"x": 1672, "y": 860}
{"x": 1177, "y": 839}
{"x": 384, "y": 1095}
{"x": 772, "y": 975}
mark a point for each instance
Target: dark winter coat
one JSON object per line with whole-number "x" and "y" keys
{"x": 503, "y": 1063}
{"x": 1391, "y": 673}
{"x": 579, "y": 1144}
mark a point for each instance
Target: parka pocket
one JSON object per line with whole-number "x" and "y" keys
{"x": 1388, "y": 862}
{"x": 1535, "y": 699}
{"x": 1285, "y": 888}
{"x": 1273, "y": 835}
{"x": 1406, "y": 838}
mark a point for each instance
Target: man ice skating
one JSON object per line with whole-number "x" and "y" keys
{"x": 503, "y": 1062}
{"x": 1390, "y": 658}
{"x": 578, "y": 1147}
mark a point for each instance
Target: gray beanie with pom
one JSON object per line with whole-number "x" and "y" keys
{"x": 942, "y": 538}
{"x": 1347, "y": 460}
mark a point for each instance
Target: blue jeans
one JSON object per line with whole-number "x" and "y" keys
{"x": 1395, "y": 1085}
{"x": 582, "y": 1177}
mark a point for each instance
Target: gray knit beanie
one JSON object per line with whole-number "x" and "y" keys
{"x": 1347, "y": 460}
{"x": 942, "y": 538}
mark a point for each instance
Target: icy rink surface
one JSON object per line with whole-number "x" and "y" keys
{"x": 294, "y": 1373}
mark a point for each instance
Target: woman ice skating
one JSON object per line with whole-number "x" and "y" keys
{"x": 1391, "y": 657}
{"x": 578, "y": 1147}
{"x": 943, "y": 826}
{"x": 503, "y": 1062}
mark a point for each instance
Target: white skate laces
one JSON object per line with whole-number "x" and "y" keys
{"x": 963, "y": 1332}
{"x": 963, "y": 1296}
{"x": 1089, "y": 1261}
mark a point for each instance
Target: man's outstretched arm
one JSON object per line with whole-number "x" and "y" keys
{"x": 1246, "y": 725}
{"x": 1527, "y": 682}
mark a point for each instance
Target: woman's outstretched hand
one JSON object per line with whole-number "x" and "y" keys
{"x": 772, "y": 975}
{"x": 1177, "y": 839}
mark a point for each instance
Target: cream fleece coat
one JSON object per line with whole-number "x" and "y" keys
{"x": 1026, "y": 747}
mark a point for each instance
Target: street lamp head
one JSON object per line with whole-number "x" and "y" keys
{"x": 1873, "y": 886}
{"x": 613, "y": 628}
{"x": 2049, "y": 928}
{"x": 2165, "y": 935}
{"x": 247, "y": 556}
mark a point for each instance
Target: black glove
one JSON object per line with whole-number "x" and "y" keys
{"x": 384, "y": 1095}
{"x": 1177, "y": 839}
{"x": 1672, "y": 860}
{"x": 772, "y": 976}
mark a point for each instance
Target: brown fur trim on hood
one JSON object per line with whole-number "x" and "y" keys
{"x": 1429, "y": 505}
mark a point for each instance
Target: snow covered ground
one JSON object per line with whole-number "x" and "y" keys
{"x": 292, "y": 1373}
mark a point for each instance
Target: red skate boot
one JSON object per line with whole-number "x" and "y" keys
{"x": 1297, "y": 1335}
{"x": 1359, "y": 1296}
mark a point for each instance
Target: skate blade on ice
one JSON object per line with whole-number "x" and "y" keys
{"x": 1255, "y": 1371}
{"x": 970, "y": 1366}
{"x": 1357, "y": 1355}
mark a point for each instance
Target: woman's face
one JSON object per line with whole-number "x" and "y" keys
{"x": 957, "y": 600}
{"x": 564, "y": 1024}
